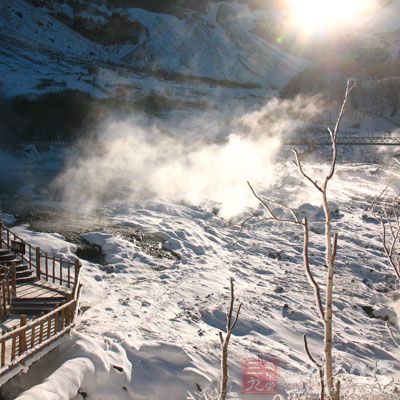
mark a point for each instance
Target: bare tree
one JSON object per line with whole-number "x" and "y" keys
{"x": 386, "y": 210}
{"x": 230, "y": 325}
{"x": 325, "y": 309}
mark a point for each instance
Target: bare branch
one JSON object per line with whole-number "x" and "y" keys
{"x": 229, "y": 316}
{"x": 271, "y": 213}
{"x": 244, "y": 222}
{"x": 309, "y": 274}
{"x": 351, "y": 84}
{"x": 225, "y": 342}
{"x": 334, "y": 252}
{"x": 312, "y": 359}
{"x": 320, "y": 369}
{"x": 301, "y": 170}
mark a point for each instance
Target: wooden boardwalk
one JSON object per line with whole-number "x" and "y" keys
{"x": 38, "y": 302}
{"x": 42, "y": 289}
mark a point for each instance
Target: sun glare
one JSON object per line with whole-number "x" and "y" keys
{"x": 327, "y": 15}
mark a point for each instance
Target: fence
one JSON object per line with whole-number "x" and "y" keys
{"x": 7, "y": 289}
{"x": 51, "y": 269}
{"x": 34, "y": 335}
{"x": 17, "y": 345}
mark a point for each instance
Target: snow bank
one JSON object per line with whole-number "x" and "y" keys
{"x": 83, "y": 368}
{"x": 166, "y": 312}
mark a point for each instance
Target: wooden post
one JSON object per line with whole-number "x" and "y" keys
{"x": 48, "y": 327}
{"x": 33, "y": 332}
{"x": 3, "y": 352}
{"x": 68, "y": 315}
{"x": 1, "y": 235}
{"x": 62, "y": 318}
{"x": 56, "y": 321}
{"x": 41, "y": 327}
{"x": 8, "y": 282}
{"x": 37, "y": 263}
{"x": 4, "y": 298}
{"x": 78, "y": 266}
{"x": 14, "y": 279}
{"x": 13, "y": 346}
{"x": 47, "y": 267}
{"x": 2, "y": 313}
{"x": 22, "y": 335}
{"x": 54, "y": 270}
{"x": 30, "y": 256}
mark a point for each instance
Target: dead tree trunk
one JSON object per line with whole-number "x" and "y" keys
{"x": 230, "y": 324}
{"x": 325, "y": 310}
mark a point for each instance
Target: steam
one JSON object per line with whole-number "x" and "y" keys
{"x": 128, "y": 161}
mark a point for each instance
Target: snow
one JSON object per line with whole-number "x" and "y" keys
{"x": 41, "y": 54}
{"x": 97, "y": 367}
{"x": 149, "y": 325}
{"x": 163, "y": 315}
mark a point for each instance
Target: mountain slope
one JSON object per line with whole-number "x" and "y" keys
{"x": 42, "y": 48}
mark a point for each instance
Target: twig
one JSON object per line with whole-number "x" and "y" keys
{"x": 225, "y": 342}
{"x": 320, "y": 369}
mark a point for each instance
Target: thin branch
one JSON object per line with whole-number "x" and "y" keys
{"x": 225, "y": 342}
{"x": 351, "y": 84}
{"x": 242, "y": 225}
{"x": 312, "y": 359}
{"x": 306, "y": 262}
{"x": 334, "y": 252}
{"x": 301, "y": 170}
{"x": 229, "y": 316}
{"x": 271, "y": 213}
{"x": 320, "y": 369}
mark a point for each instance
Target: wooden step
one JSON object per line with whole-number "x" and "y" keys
{"x": 24, "y": 273}
{"x": 31, "y": 309}
{"x": 28, "y": 279}
{"x": 22, "y": 267}
{"x": 9, "y": 263}
{"x": 6, "y": 257}
{"x": 19, "y": 267}
{"x": 34, "y": 300}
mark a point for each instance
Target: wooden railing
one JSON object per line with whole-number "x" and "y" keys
{"x": 51, "y": 269}
{"x": 32, "y": 336}
{"x": 23, "y": 342}
{"x": 7, "y": 289}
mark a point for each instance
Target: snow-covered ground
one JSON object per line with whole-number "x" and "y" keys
{"x": 162, "y": 316}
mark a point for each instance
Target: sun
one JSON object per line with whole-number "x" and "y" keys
{"x": 327, "y": 15}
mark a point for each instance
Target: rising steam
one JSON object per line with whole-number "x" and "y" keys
{"x": 127, "y": 161}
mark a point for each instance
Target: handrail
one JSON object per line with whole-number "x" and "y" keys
{"x": 7, "y": 289}
{"x": 35, "y": 335}
{"x": 38, "y": 320}
{"x": 49, "y": 268}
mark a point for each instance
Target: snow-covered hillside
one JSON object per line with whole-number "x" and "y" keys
{"x": 165, "y": 313}
{"x": 39, "y": 52}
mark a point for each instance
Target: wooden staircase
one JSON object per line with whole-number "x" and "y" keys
{"x": 42, "y": 293}
{"x": 23, "y": 273}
